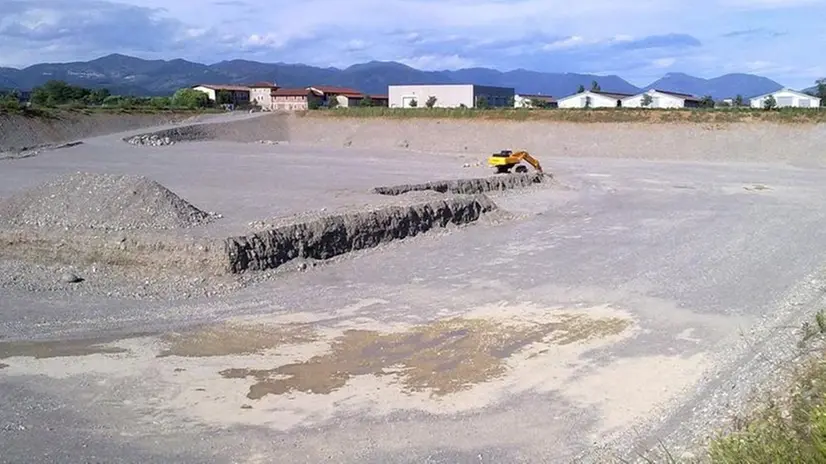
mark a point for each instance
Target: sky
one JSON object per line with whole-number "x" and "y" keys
{"x": 639, "y": 40}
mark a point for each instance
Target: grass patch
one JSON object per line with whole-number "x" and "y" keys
{"x": 54, "y": 112}
{"x": 790, "y": 427}
{"x": 596, "y": 115}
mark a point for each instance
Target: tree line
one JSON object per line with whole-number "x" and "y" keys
{"x": 56, "y": 93}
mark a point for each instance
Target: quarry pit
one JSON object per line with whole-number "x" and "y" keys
{"x": 241, "y": 287}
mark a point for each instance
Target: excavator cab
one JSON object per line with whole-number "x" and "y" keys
{"x": 506, "y": 160}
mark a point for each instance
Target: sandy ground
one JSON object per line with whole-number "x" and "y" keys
{"x": 620, "y": 307}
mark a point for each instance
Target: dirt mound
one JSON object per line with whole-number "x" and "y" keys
{"x": 100, "y": 201}
{"x": 262, "y": 127}
{"x": 19, "y": 132}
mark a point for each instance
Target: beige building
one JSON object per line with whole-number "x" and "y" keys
{"x": 239, "y": 94}
{"x": 449, "y": 95}
{"x": 295, "y": 99}
{"x": 261, "y": 94}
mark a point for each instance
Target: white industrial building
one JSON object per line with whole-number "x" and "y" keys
{"x": 593, "y": 99}
{"x": 661, "y": 99}
{"x": 448, "y": 95}
{"x": 787, "y": 98}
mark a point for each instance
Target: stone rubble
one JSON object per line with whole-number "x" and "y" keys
{"x": 150, "y": 140}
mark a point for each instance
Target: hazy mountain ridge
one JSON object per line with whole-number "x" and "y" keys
{"x": 129, "y": 75}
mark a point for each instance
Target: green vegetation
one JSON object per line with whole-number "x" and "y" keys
{"x": 55, "y": 96}
{"x": 790, "y": 427}
{"x": 591, "y": 115}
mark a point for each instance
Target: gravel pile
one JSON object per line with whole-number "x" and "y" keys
{"x": 101, "y": 201}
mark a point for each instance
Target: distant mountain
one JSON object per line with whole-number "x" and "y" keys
{"x": 727, "y": 86}
{"x": 128, "y": 75}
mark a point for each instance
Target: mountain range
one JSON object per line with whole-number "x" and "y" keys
{"x": 127, "y": 75}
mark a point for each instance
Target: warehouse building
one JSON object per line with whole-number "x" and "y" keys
{"x": 449, "y": 96}
{"x": 661, "y": 99}
{"x": 593, "y": 99}
{"x": 784, "y": 98}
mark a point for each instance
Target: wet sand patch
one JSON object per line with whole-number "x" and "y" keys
{"x": 236, "y": 339}
{"x": 442, "y": 357}
{"x": 60, "y": 348}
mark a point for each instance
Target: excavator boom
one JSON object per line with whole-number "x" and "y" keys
{"x": 505, "y": 160}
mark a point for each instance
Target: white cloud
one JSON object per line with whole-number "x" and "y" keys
{"x": 662, "y": 63}
{"x": 439, "y": 62}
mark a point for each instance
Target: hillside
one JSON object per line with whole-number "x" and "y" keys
{"x": 129, "y": 75}
{"x": 727, "y": 86}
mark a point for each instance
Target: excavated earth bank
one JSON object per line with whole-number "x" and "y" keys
{"x": 335, "y": 235}
{"x": 468, "y": 186}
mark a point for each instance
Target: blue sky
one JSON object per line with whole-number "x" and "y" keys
{"x": 640, "y": 40}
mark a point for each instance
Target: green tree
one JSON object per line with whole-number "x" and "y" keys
{"x": 160, "y": 102}
{"x": 581, "y": 89}
{"x": 820, "y": 91}
{"x": 769, "y": 103}
{"x": 588, "y": 102}
{"x": 332, "y": 101}
{"x": 97, "y": 96}
{"x": 707, "y": 102}
{"x": 366, "y": 101}
{"x": 595, "y": 86}
{"x": 538, "y": 103}
{"x": 738, "y": 101}
{"x": 482, "y": 102}
{"x": 647, "y": 100}
{"x": 431, "y": 102}
{"x": 223, "y": 97}
{"x": 190, "y": 98}
{"x": 413, "y": 103}
{"x": 56, "y": 92}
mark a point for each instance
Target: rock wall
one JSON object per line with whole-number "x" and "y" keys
{"x": 469, "y": 186}
{"x": 330, "y": 236}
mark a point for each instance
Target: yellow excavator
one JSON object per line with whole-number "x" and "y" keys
{"x": 505, "y": 160}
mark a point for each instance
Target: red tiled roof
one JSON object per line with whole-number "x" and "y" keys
{"x": 224, "y": 87}
{"x": 263, "y": 85}
{"x": 338, "y": 90}
{"x": 290, "y": 92}
{"x": 379, "y": 97}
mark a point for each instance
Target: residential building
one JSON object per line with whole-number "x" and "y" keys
{"x": 295, "y": 99}
{"x": 593, "y": 99}
{"x": 524, "y": 100}
{"x": 787, "y": 98}
{"x": 662, "y": 99}
{"x": 344, "y": 96}
{"x": 449, "y": 95}
{"x": 261, "y": 94}
{"x": 238, "y": 94}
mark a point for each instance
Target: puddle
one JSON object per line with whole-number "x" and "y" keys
{"x": 235, "y": 339}
{"x": 757, "y": 187}
{"x": 59, "y": 348}
{"x": 3, "y": 366}
{"x": 443, "y": 357}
